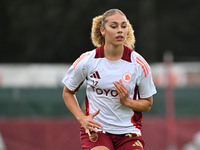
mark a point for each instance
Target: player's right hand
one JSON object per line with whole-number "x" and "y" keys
{"x": 89, "y": 124}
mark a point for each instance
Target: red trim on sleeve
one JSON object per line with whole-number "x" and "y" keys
{"x": 144, "y": 65}
{"x": 79, "y": 59}
{"x": 79, "y": 86}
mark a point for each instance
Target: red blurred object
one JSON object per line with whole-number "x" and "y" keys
{"x": 59, "y": 134}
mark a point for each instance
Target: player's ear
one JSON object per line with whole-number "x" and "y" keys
{"x": 102, "y": 30}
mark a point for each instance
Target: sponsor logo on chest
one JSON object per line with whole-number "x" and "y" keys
{"x": 95, "y": 77}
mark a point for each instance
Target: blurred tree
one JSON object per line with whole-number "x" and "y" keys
{"x": 178, "y": 28}
{"x": 59, "y": 31}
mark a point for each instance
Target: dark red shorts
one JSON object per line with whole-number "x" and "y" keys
{"x": 112, "y": 141}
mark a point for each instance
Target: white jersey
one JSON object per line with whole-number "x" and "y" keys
{"x": 99, "y": 74}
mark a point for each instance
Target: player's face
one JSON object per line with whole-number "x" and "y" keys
{"x": 115, "y": 29}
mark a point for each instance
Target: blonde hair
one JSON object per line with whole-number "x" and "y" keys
{"x": 99, "y": 21}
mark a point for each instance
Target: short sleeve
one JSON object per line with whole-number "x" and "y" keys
{"x": 146, "y": 87}
{"x": 76, "y": 73}
{"x": 145, "y": 82}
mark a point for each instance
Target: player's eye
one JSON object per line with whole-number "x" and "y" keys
{"x": 113, "y": 26}
{"x": 124, "y": 26}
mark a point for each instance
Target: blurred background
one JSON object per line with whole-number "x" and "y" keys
{"x": 41, "y": 39}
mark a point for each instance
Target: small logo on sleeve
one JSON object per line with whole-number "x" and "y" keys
{"x": 127, "y": 77}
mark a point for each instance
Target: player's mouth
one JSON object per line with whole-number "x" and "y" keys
{"x": 120, "y": 38}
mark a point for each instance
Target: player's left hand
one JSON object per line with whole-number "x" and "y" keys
{"x": 122, "y": 91}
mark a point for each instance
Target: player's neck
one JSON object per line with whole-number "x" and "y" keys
{"x": 113, "y": 53}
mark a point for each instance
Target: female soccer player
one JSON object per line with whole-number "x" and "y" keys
{"x": 119, "y": 87}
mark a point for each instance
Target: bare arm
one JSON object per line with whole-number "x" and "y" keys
{"x": 72, "y": 104}
{"x": 141, "y": 105}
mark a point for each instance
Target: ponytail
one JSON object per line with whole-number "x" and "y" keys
{"x": 96, "y": 36}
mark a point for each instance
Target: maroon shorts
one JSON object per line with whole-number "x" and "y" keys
{"x": 112, "y": 141}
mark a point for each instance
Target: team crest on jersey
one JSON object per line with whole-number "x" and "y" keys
{"x": 127, "y": 77}
{"x": 93, "y": 137}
